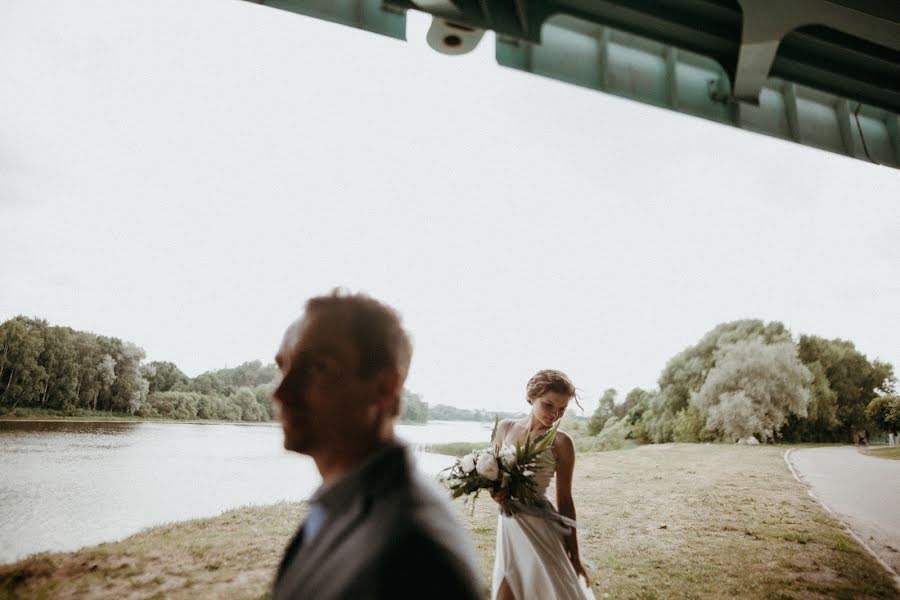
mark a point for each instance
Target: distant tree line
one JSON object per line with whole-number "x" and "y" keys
{"x": 60, "y": 370}
{"x": 751, "y": 378}
{"x": 415, "y": 410}
{"x": 442, "y": 412}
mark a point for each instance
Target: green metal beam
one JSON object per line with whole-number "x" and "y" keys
{"x": 629, "y": 66}
{"x": 370, "y": 15}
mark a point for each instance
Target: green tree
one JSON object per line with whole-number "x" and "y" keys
{"x": 884, "y": 411}
{"x": 246, "y": 400}
{"x": 821, "y": 422}
{"x": 94, "y": 369}
{"x": 642, "y": 415}
{"x": 248, "y": 374}
{"x": 632, "y": 399}
{"x": 163, "y": 376}
{"x": 854, "y": 380}
{"x": 106, "y": 371}
{"x": 60, "y": 363}
{"x": 129, "y": 389}
{"x": 412, "y": 408}
{"x": 21, "y": 376}
{"x": 263, "y": 395}
{"x": 605, "y": 410}
{"x": 206, "y": 383}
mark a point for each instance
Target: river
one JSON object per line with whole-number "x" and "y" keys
{"x": 65, "y": 485}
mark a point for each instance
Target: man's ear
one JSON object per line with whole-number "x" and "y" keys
{"x": 389, "y": 389}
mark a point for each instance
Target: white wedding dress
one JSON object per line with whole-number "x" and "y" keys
{"x": 531, "y": 555}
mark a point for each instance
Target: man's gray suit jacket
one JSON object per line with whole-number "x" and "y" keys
{"x": 388, "y": 533}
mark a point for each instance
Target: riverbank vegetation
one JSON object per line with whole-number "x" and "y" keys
{"x": 659, "y": 521}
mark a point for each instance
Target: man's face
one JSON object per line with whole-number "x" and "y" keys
{"x": 321, "y": 399}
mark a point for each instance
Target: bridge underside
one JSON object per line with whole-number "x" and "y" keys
{"x": 823, "y": 73}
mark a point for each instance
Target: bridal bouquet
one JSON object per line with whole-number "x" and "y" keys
{"x": 510, "y": 470}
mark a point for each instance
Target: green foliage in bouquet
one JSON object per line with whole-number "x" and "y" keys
{"x": 507, "y": 469}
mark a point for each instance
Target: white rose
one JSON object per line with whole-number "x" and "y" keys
{"x": 487, "y": 466}
{"x": 508, "y": 457}
{"x": 528, "y": 473}
{"x": 467, "y": 462}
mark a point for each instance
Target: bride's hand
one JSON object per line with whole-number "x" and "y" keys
{"x": 500, "y": 496}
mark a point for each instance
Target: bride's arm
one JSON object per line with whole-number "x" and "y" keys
{"x": 565, "y": 467}
{"x": 499, "y": 437}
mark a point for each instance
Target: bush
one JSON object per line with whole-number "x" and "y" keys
{"x": 614, "y": 436}
{"x": 245, "y": 399}
{"x": 689, "y": 425}
{"x": 171, "y": 405}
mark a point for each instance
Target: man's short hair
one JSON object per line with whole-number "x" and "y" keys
{"x": 374, "y": 328}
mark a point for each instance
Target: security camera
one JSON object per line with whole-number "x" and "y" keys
{"x": 449, "y": 38}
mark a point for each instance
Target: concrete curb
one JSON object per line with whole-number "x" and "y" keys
{"x": 894, "y": 575}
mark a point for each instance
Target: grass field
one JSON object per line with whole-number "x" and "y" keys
{"x": 892, "y": 453}
{"x": 668, "y": 521}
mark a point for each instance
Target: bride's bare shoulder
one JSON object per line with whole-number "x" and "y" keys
{"x": 503, "y": 428}
{"x": 562, "y": 436}
{"x": 512, "y": 423}
{"x": 563, "y": 442}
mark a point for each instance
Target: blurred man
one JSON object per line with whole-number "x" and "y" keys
{"x": 376, "y": 528}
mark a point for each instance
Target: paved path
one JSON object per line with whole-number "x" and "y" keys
{"x": 863, "y": 491}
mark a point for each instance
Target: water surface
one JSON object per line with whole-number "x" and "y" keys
{"x": 64, "y": 485}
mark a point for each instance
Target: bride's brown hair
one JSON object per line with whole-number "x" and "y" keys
{"x": 550, "y": 380}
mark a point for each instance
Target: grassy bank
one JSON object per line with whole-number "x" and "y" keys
{"x": 455, "y": 448}
{"x": 669, "y": 521}
{"x": 892, "y": 453}
{"x": 46, "y": 414}
{"x": 102, "y": 416}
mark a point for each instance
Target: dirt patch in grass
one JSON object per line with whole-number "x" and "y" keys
{"x": 668, "y": 521}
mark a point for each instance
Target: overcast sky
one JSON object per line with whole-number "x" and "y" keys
{"x": 184, "y": 175}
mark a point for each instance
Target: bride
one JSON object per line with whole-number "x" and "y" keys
{"x": 537, "y": 557}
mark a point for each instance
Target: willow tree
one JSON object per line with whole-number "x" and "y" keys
{"x": 753, "y": 388}
{"x": 685, "y": 372}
